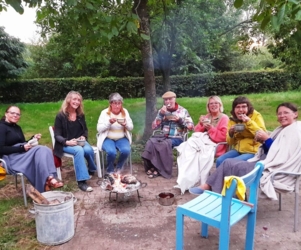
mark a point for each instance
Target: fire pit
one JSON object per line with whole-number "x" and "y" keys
{"x": 121, "y": 184}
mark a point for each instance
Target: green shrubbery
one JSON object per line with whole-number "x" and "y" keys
{"x": 234, "y": 83}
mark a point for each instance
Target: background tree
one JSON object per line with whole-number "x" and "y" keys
{"x": 12, "y": 63}
{"x": 93, "y": 25}
{"x": 193, "y": 36}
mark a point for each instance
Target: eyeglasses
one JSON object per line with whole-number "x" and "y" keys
{"x": 14, "y": 113}
{"x": 285, "y": 113}
{"x": 116, "y": 103}
{"x": 241, "y": 107}
{"x": 213, "y": 103}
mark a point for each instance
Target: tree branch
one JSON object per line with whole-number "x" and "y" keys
{"x": 235, "y": 26}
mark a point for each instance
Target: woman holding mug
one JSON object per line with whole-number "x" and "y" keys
{"x": 214, "y": 123}
{"x": 243, "y": 140}
{"x": 69, "y": 127}
{"x": 114, "y": 126}
{"x": 280, "y": 151}
{"x": 26, "y": 157}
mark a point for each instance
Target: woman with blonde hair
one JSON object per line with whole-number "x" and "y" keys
{"x": 70, "y": 126}
{"x": 196, "y": 155}
{"x": 214, "y": 122}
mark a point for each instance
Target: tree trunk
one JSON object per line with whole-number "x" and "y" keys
{"x": 140, "y": 8}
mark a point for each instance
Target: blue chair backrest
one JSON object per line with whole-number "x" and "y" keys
{"x": 251, "y": 181}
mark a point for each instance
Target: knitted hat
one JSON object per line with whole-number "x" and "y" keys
{"x": 169, "y": 94}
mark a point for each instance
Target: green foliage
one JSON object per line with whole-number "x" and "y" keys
{"x": 88, "y": 26}
{"x": 263, "y": 59}
{"x": 186, "y": 36}
{"x": 274, "y": 13}
{"x": 12, "y": 63}
{"x": 230, "y": 83}
{"x": 286, "y": 46}
{"x": 17, "y": 4}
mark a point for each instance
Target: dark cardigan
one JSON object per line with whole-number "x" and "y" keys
{"x": 10, "y": 134}
{"x": 61, "y": 132}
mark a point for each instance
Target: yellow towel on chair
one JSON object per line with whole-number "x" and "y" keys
{"x": 240, "y": 189}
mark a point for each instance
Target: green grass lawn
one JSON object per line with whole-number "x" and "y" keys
{"x": 37, "y": 117}
{"x": 18, "y": 230}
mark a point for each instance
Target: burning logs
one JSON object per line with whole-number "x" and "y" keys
{"x": 120, "y": 183}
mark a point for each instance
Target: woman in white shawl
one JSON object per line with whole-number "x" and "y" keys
{"x": 196, "y": 155}
{"x": 279, "y": 151}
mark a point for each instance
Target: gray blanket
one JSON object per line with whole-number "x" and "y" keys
{"x": 158, "y": 151}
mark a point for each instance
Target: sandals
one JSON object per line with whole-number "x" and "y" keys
{"x": 53, "y": 183}
{"x": 155, "y": 174}
{"x": 150, "y": 171}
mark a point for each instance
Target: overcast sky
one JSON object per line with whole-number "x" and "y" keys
{"x": 20, "y": 26}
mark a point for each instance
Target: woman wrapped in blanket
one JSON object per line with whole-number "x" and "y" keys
{"x": 279, "y": 151}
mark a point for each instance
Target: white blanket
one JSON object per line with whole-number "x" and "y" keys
{"x": 195, "y": 160}
{"x": 284, "y": 155}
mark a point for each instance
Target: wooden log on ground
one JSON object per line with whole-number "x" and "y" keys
{"x": 35, "y": 195}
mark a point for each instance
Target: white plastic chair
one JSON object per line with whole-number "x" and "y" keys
{"x": 16, "y": 180}
{"x": 95, "y": 149}
{"x": 296, "y": 191}
{"x": 129, "y": 159}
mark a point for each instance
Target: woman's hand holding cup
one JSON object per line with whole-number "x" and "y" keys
{"x": 231, "y": 131}
{"x": 121, "y": 121}
{"x": 112, "y": 120}
{"x": 261, "y": 136}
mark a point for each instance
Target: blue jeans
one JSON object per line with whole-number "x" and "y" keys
{"x": 175, "y": 142}
{"x": 111, "y": 147}
{"x": 233, "y": 154}
{"x": 80, "y": 154}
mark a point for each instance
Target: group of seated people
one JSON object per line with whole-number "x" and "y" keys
{"x": 36, "y": 162}
{"x": 249, "y": 142}
{"x": 245, "y": 134}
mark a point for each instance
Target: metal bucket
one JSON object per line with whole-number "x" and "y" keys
{"x": 55, "y": 223}
{"x": 166, "y": 198}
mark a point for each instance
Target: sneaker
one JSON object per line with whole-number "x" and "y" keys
{"x": 84, "y": 187}
{"x": 196, "y": 190}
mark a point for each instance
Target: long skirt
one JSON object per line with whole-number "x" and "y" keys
{"x": 228, "y": 167}
{"x": 36, "y": 164}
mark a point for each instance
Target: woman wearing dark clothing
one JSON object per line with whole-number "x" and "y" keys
{"x": 70, "y": 125}
{"x": 34, "y": 161}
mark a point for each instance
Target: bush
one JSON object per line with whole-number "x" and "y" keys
{"x": 233, "y": 83}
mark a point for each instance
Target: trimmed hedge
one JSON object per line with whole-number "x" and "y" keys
{"x": 233, "y": 83}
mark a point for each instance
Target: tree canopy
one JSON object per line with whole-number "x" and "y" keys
{"x": 12, "y": 63}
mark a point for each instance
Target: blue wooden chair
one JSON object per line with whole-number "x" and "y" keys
{"x": 222, "y": 211}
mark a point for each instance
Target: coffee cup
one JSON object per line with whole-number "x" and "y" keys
{"x": 206, "y": 121}
{"x": 120, "y": 120}
{"x": 239, "y": 127}
{"x": 33, "y": 142}
{"x": 81, "y": 143}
